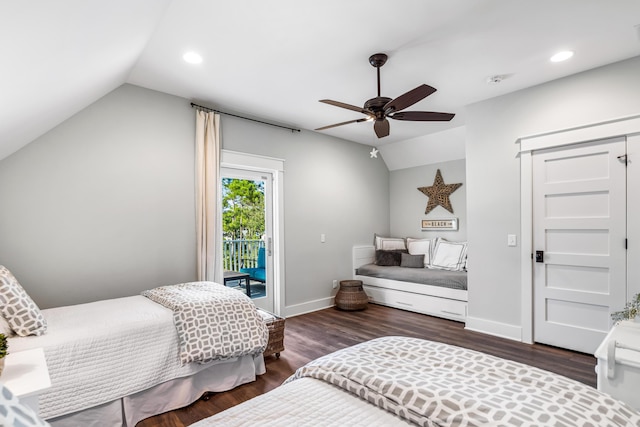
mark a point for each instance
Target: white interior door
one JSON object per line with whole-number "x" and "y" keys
{"x": 633, "y": 222}
{"x": 579, "y": 239}
{"x": 262, "y": 294}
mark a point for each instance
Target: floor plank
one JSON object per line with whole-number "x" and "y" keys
{"x": 312, "y": 335}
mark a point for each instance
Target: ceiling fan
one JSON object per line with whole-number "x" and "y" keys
{"x": 382, "y": 108}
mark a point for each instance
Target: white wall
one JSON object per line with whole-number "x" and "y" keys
{"x": 493, "y": 175}
{"x": 102, "y": 206}
{"x": 408, "y": 204}
{"x": 437, "y": 147}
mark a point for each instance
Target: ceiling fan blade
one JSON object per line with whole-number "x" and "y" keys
{"x": 408, "y": 99}
{"x": 422, "y": 116}
{"x": 347, "y": 106}
{"x": 343, "y": 123}
{"x": 381, "y": 127}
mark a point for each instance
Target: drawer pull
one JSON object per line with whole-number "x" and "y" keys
{"x": 404, "y": 303}
{"x": 451, "y": 312}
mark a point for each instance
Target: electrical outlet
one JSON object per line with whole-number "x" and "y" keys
{"x": 335, "y": 284}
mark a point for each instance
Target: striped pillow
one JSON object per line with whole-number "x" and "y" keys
{"x": 449, "y": 255}
{"x": 421, "y": 247}
{"x": 388, "y": 243}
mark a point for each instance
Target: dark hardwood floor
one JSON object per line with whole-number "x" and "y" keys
{"x": 312, "y": 335}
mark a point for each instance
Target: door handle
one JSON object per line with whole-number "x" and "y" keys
{"x": 539, "y": 256}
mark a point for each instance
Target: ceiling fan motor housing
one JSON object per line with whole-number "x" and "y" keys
{"x": 376, "y": 106}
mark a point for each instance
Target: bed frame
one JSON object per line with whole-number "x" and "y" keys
{"x": 104, "y": 333}
{"x": 426, "y": 299}
{"x": 167, "y": 396}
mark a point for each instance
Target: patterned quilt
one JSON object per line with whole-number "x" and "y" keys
{"x": 213, "y": 321}
{"x": 435, "y": 384}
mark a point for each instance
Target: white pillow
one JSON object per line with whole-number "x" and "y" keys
{"x": 389, "y": 243}
{"x": 420, "y": 247}
{"x": 449, "y": 255}
{"x": 18, "y": 308}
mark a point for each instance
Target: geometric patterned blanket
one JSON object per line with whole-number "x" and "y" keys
{"x": 213, "y": 321}
{"x": 434, "y": 384}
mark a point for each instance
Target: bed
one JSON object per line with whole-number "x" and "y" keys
{"x": 409, "y": 381}
{"x": 115, "y": 362}
{"x": 438, "y": 292}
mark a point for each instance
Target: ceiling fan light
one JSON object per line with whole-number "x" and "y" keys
{"x": 561, "y": 56}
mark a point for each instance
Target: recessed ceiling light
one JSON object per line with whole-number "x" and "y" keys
{"x": 562, "y": 56}
{"x": 192, "y": 58}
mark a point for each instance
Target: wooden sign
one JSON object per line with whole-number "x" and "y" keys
{"x": 450, "y": 224}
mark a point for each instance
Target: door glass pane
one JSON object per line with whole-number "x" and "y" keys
{"x": 244, "y": 233}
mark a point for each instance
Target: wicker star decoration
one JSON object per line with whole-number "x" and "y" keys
{"x": 439, "y": 193}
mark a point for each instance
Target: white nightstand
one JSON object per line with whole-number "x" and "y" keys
{"x": 618, "y": 366}
{"x": 26, "y": 375}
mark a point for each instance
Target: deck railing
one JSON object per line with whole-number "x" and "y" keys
{"x": 239, "y": 254}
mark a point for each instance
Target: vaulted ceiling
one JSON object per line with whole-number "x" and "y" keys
{"x": 275, "y": 59}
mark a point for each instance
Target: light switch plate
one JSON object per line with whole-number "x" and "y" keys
{"x": 512, "y": 240}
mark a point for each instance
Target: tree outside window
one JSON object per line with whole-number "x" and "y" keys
{"x": 243, "y": 211}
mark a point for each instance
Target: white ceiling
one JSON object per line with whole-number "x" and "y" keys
{"x": 275, "y": 59}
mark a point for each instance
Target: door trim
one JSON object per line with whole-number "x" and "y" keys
{"x": 275, "y": 167}
{"x": 624, "y": 126}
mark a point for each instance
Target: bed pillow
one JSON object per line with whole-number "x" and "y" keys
{"x": 411, "y": 261}
{"x": 18, "y": 308}
{"x": 420, "y": 247}
{"x": 389, "y": 258}
{"x": 449, "y": 255}
{"x": 388, "y": 243}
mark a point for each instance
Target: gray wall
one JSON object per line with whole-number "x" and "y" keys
{"x": 408, "y": 204}
{"x": 493, "y": 171}
{"x": 331, "y": 187}
{"x": 102, "y": 206}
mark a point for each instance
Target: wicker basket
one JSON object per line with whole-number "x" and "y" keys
{"x": 351, "y": 296}
{"x": 275, "y": 324}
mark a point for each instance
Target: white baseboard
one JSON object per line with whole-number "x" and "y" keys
{"x": 308, "y": 307}
{"x": 491, "y": 327}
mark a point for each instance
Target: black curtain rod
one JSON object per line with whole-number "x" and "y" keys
{"x": 201, "y": 107}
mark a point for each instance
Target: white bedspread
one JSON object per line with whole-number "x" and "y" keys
{"x": 102, "y": 351}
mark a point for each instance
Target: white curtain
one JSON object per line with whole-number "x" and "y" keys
{"x": 208, "y": 188}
